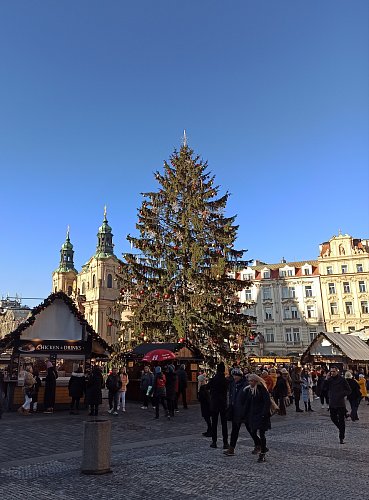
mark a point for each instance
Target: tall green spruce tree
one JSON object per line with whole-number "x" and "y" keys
{"x": 181, "y": 284}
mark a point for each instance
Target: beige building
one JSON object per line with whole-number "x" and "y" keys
{"x": 12, "y": 314}
{"x": 94, "y": 288}
{"x": 344, "y": 276}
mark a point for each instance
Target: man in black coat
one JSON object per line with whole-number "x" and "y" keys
{"x": 338, "y": 389}
{"x": 182, "y": 385}
{"x": 113, "y": 384}
{"x": 218, "y": 387}
{"x": 236, "y": 406}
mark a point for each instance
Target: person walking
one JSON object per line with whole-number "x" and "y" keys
{"x": 29, "y": 382}
{"x": 171, "y": 389}
{"x": 338, "y": 389}
{"x": 76, "y": 388}
{"x": 159, "y": 392}
{"x": 204, "y": 400}
{"x": 296, "y": 387}
{"x": 50, "y": 388}
{"x": 321, "y": 389}
{"x": 355, "y": 397}
{"x": 36, "y": 389}
{"x": 280, "y": 393}
{"x": 236, "y": 407}
{"x": 307, "y": 389}
{"x": 123, "y": 389}
{"x": 182, "y": 385}
{"x": 94, "y": 385}
{"x": 218, "y": 387}
{"x": 362, "y": 385}
{"x": 113, "y": 384}
{"x": 146, "y": 384}
{"x": 268, "y": 380}
{"x": 257, "y": 413}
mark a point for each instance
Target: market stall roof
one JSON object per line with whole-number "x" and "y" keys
{"x": 8, "y": 340}
{"x": 350, "y": 346}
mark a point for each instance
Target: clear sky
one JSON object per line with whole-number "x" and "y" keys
{"x": 96, "y": 94}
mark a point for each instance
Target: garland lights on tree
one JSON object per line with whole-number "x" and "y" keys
{"x": 182, "y": 284}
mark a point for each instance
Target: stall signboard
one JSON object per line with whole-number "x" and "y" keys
{"x": 56, "y": 346}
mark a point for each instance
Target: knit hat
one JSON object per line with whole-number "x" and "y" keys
{"x": 201, "y": 378}
{"x": 157, "y": 369}
{"x": 348, "y": 375}
{"x": 237, "y": 372}
{"x": 284, "y": 370}
{"x": 221, "y": 367}
{"x": 49, "y": 364}
{"x": 361, "y": 375}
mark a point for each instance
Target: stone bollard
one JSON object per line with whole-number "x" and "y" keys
{"x": 96, "y": 447}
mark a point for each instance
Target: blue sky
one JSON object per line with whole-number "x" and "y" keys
{"x": 95, "y": 95}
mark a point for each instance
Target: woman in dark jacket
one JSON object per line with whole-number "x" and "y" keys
{"x": 77, "y": 388}
{"x": 170, "y": 385}
{"x": 280, "y": 392}
{"x": 94, "y": 384}
{"x": 159, "y": 392}
{"x": 204, "y": 399}
{"x": 50, "y": 388}
{"x": 321, "y": 389}
{"x": 355, "y": 397}
{"x": 257, "y": 412}
{"x": 236, "y": 407}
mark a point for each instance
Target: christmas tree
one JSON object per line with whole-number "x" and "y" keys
{"x": 181, "y": 285}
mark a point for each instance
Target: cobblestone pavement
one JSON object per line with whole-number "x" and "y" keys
{"x": 40, "y": 457}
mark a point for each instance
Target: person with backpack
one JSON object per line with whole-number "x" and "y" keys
{"x": 113, "y": 384}
{"x": 159, "y": 392}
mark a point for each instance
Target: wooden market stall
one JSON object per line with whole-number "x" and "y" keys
{"x": 55, "y": 331}
{"x": 343, "y": 350}
{"x": 185, "y": 354}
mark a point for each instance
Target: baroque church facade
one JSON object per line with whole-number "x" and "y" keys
{"x": 94, "y": 288}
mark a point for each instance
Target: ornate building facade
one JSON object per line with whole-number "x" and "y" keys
{"x": 94, "y": 288}
{"x": 344, "y": 276}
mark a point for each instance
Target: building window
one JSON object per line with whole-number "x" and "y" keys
{"x": 292, "y": 335}
{"x": 268, "y": 313}
{"x": 248, "y": 294}
{"x": 285, "y": 292}
{"x": 289, "y": 272}
{"x": 344, "y": 269}
{"x": 269, "y": 335}
{"x": 93, "y": 280}
{"x": 292, "y": 292}
{"x": 312, "y": 333}
{"x": 329, "y": 270}
{"x": 310, "y": 311}
{"x": 56, "y": 289}
{"x": 351, "y": 329}
{"x": 306, "y": 271}
{"x": 83, "y": 287}
{"x": 346, "y": 287}
{"x": 267, "y": 293}
{"x": 308, "y": 291}
{"x": 266, "y": 275}
{"x": 331, "y": 288}
{"x": 349, "y": 308}
{"x": 294, "y": 312}
{"x": 359, "y": 268}
{"x": 334, "y": 308}
{"x": 364, "y": 307}
{"x": 286, "y": 313}
{"x": 247, "y": 277}
{"x": 109, "y": 281}
{"x": 336, "y": 329}
{"x": 362, "y": 286}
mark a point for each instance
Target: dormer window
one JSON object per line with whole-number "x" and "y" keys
{"x": 266, "y": 274}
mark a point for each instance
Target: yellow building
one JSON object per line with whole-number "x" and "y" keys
{"x": 344, "y": 278}
{"x": 94, "y": 288}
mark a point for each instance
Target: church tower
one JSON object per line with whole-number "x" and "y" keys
{"x": 97, "y": 289}
{"x": 64, "y": 277}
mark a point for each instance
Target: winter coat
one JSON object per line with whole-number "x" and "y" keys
{"x": 288, "y": 380}
{"x": 362, "y": 384}
{"x": 237, "y": 400}
{"x": 124, "y": 381}
{"x": 94, "y": 384}
{"x": 307, "y": 389}
{"x": 355, "y": 389}
{"x": 274, "y": 378}
{"x": 296, "y": 380}
{"x": 204, "y": 398}
{"x": 113, "y": 383}
{"x": 29, "y": 382}
{"x": 257, "y": 408}
{"x": 156, "y": 391}
{"x": 321, "y": 389}
{"x": 171, "y": 385}
{"x": 218, "y": 387}
{"x": 36, "y": 389}
{"x": 280, "y": 390}
{"x": 269, "y": 382}
{"x": 182, "y": 379}
{"x": 77, "y": 385}
{"x": 338, "y": 389}
{"x": 147, "y": 380}
{"x": 50, "y": 387}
